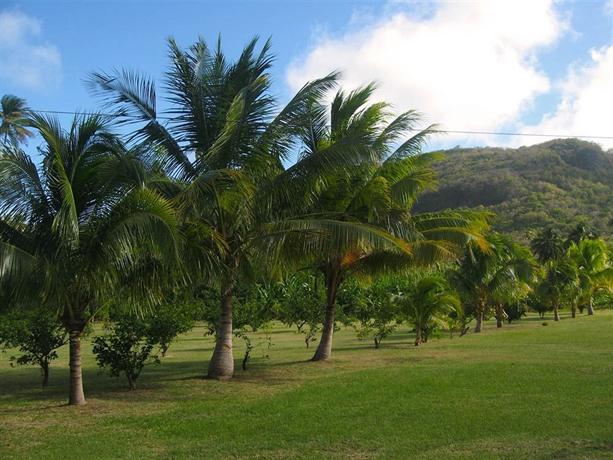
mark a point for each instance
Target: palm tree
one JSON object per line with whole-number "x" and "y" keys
{"x": 427, "y": 304}
{"x": 222, "y": 150}
{"x": 486, "y": 277}
{"x": 595, "y": 271}
{"x": 560, "y": 283}
{"x": 80, "y": 227}
{"x": 581, "y": 232}
{"x": 366, "y": 211}
{"x": 13, "y": 119}
{"x": 547, "y": 245}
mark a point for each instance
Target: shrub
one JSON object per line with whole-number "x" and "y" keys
{"x": 371, "y": 309}
{"x": 515, "y": 311}
{"x": 126, "y": 347}
{"x": 169, "y": 322}
{"x": 302, "y": 301}
{"x": 37, "y": 334}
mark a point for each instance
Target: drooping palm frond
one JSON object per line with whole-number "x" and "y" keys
{"x": 13, "y": 120}
{"x": 133, "y": 97}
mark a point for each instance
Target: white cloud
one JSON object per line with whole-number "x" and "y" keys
{"x": 468, "y": 66}
{"x": 586, "y": 106}
{"x": 25, "y": 60}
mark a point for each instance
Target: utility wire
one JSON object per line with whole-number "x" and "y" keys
{"x": 442, "y": 131}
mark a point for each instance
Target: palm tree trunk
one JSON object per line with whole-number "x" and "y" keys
{"x": 221, "y": 366}
{"x": 573, "y": 311}
{"x": 76, "y": 395}
{"x": 499, "y": 316}
{"x": 479, "y": 319}
{"x": 590, "y": 307}
{"x": 324, "y": 349}
{"x": 556, "y": 313}
{"x": 417, "y": 335}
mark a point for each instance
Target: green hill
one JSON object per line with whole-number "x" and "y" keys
{"x": 555, "y": 183}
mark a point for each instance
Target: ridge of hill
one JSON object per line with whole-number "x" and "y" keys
{"x": 557, "y": 183}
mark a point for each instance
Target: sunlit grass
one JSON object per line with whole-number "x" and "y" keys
{"x": 525, "y": 391}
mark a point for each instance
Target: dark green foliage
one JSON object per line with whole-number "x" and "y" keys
{"x": 37, "y": 334}
{"x": 515, "y": 311}
{"x": 554, "y": 184}
{"x": 427, "y": 305}
{"x": 13, "y": 120}
{"x": 303, "y": 298}
{"x": 547, "y": 245}
{"x": 491, "y": 276}
{"x": 126, "y": 347}
{"x": 371, "y": 309}
{"x": 559, "y": 285}
{"x": 168, "y": 322}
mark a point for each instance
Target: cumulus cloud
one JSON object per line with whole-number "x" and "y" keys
{"x": 468, "y": 65}
{"x": 25, "y": 60}
{"x": 586, "y": 106}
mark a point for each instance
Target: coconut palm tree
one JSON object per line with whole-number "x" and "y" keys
{"x": 547, "y": 245}
{"x": 366, "y": 211}
{"x": 222, "y": 145}
{"x": 595, "y": 269}
{"x": 80, "y": 227}
{"x": 13, "y": 119}
{"x": 560, "y": 284}
{"x": 427, "y": 304}
{"x": 487, "y": 276}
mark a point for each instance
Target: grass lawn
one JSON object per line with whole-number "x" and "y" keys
{"x": 525, "y": 391}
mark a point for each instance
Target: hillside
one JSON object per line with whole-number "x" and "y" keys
{"x": 555, "y": 183}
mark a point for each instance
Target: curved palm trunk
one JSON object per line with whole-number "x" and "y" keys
{"x": 221, "y": 366}
{"x": 324, "y": 349}
{"x": 76, "y": 395}
{"x": 556, "y": 313}
{"x": 590, "y": 307}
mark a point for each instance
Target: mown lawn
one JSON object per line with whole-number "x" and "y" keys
{"x": 526, "y": 391}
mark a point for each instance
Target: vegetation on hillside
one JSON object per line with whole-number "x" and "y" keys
{"x": 558, "y": 183}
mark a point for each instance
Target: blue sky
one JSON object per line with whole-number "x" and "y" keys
{"x": 530, "y": 66}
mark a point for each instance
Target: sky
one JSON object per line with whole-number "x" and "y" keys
{"x": 524, "y": 66}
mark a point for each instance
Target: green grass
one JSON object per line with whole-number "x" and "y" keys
{"x": 525, "y": 391}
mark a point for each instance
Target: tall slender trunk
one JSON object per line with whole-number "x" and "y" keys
{"x": 590, "y": 306}
{"x": 556, "y": 313}
{"x": 499, "y": 316}
{"x": 221, "y": 366}
{"x": 324, "y": 348}
{"x": 573, "y": 312}
{"x": 479, "y": 319}
{"x": 76, "y": 396}
{"x": 417, "y": 335}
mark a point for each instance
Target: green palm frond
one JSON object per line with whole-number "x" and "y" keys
{"x": 13, "y": 120}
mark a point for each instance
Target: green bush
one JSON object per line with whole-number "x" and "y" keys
{"x": 37, "y": 334}
{"x": 126, "y": 347}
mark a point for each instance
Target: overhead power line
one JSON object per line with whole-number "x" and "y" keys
{"x": 442, "y": 131}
